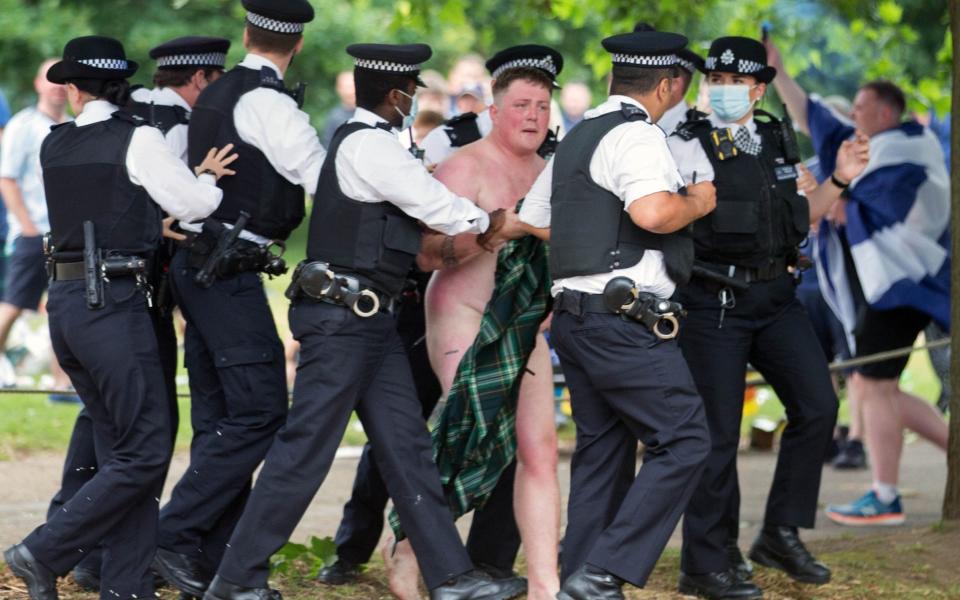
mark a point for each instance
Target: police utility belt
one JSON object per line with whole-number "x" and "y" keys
{"x": 621, "y": 297}
{"x": 218, "y": 252}
{"x": 97, "y": 267}
{"x": 317, "y": 281}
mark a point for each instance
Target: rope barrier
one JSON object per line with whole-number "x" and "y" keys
{"x": 558, "y": 378}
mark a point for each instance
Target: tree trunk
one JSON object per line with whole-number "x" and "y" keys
{"x": 951, "y": 498}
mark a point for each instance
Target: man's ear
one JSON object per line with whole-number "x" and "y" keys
{"x": 299, "y": 46}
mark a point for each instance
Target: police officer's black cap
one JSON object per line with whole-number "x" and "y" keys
{"x": 689, "y": 61}
{"x": 653, "y": 49}
{"x": 543, "y": 58}
{"x": 741, "y": 55}
{"x": 92, "y": 57}
{"x": 279, "y": 16}
{"x": 397, "y": 59}
{"x": 192, "y": 51}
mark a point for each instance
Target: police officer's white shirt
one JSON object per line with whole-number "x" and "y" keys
{"x": 631, "y": 161}
{"x": 692, "y": 158}
{"x": 177, "y": 135}
{"x": 151, "y": 164}
{"x": 437, "y": 146}
{"x": 270, "y": 121}
{"x": 673, "y": 117}
{"x": 373, "y": 166}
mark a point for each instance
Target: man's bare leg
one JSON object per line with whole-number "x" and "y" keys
{"x": 8, "y": 315}
{"x": 536, "y": 495}
{"x": 403, "y": 573}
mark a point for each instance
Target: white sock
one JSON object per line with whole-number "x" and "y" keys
{"x": 886, "y": 492}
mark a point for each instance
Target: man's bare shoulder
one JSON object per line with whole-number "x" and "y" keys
{"x": 460, "y": 171}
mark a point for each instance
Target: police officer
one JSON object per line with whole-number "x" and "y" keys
{"x": 742, "y": 308}
{"x": 469, "y": 127}
{"x": 232, "y": 350}
{"x": 614, "y": 328}
{"x": 107, "y": 180}
{"x": 689, "y": 62}
{"x": 184, "y": 66}
{"x": 364, "y": 239}
{"x": 494, "y": 539}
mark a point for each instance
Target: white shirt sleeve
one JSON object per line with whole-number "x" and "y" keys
{"x": 372, "y": 166}
{"x": 13, "y": 150}
{"x": 536, "y": 206}
{"x": 436, "y": 146}
{"x": 271, "y": 122}
{"x": 633, "y": 161}
{"x": 691, "y": 158}
{"x": 171, "y": 184}
{"x": 177, "y": 140}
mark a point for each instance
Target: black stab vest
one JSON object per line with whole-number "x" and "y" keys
{"x": 760, "y": 218}
{"x": 85, "y": 178}
{"x": 590, "y": 233}
{"x": 276, "y": 206}
{"x": 377, "y": 242}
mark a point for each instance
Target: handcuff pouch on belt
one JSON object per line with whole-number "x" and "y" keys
{"x": 317, "y": 281}
{"x": 660, "y": 316}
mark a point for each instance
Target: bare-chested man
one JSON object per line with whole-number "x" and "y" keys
{"x": 496, "y": 172}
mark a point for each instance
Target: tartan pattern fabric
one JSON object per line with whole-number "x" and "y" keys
{"x": 475, "y": 439}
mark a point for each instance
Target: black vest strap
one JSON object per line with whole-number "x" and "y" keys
{"x": 611, "y": 241}
{"x": 161, "y": 116}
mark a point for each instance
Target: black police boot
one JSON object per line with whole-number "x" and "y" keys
{"x": 41, "y": 581}
{"x": 224, "y": 590}
{"x": 506, "y": 575}
{"x": 720, "y": 585}
{"x": 852, "y": 456}
{"x": 780, "y": 547}
{"x": 477, "y": 585}
{"x": 590, "y": 583}
{"x": 87, "y": 579}
{"x": 341, "y": 572}
{"x": 741, "y": 567}
{"x": 180, "y": 571}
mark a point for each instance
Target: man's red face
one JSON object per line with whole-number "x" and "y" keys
{"x": 523, "y": 114}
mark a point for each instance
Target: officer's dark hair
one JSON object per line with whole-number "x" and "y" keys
{"x": 114, "y": 91}
{"x": 271, "y": 41}
{"x": 372, "y": 87}
{"x": 630, "y": 81}
{"x": 534, "y": 76}
{"x": 889, "y": 93}
{"x": 176, "y": 77}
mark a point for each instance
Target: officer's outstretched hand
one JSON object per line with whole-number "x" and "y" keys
{"x": 705, "y": 195}
{"x": 216, "y": 162}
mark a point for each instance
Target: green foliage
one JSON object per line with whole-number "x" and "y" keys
{"x": 318, "y": 554}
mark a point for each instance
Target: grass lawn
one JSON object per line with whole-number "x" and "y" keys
{"x": 895, "y": 564}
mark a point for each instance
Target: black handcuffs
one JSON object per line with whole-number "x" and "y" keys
{"x": 620, "y": 296}
{"x": 318, "y": 281}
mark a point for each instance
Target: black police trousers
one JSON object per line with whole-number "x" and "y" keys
{"x": 769, "y": 329}
{"x": 494, "y": 538}
{"x": 238, "y": 392}
{"x": 110, "y": 356}
{"x": 80, "y": 464}
{"x": 626, "y": 387}
{"x": 347, "y": 363}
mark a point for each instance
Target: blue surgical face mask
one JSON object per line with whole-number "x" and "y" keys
{"x": 409, "y": 118}
{"x": 730, "y": 102}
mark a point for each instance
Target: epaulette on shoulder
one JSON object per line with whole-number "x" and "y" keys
{"x": 269, "y": 79}
{"x": 692, "y": 128}
{"x": 764, "y": 119}
{"x": 461, "y": 118}
{"x": 632, "y": 113}
{"x": 133, "y": 119}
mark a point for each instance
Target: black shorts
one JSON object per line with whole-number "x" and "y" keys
{"x": 26, "y": 278}
{"x": 883, "y": 330}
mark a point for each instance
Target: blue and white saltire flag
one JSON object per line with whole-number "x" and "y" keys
{"x": 898, "y": 223}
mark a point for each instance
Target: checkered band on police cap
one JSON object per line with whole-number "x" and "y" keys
{"x": 115, "y": 64}
{"x": 686, "y": 65}
{"x": 189, "y": 60}
{"x": 743, "y": 65}
{"x": 544, "y": 64}
{"x": 386, "y": 65}
{"x": 656, "y": 60}
{"x": 273, "y": 24}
